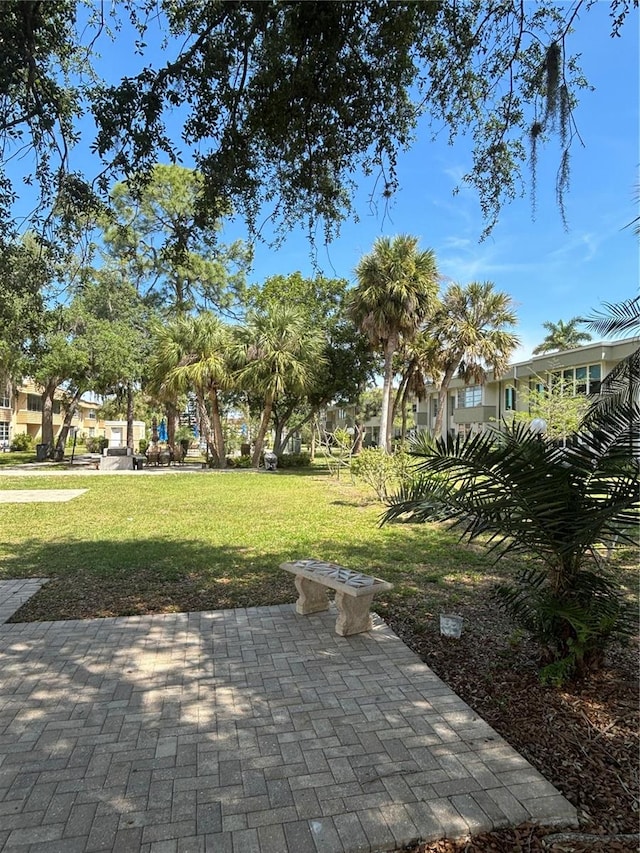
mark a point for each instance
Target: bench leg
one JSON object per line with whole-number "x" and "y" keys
{"x": 353, "y": 614}
{"x": 313, "y": 596}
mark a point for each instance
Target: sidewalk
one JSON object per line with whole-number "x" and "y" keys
{"x": 242, "y": 731}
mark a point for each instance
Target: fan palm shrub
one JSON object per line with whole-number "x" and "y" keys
{"x": 525, "y": 496}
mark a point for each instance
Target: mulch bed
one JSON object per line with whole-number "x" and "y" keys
{"x": 583, "y": 737}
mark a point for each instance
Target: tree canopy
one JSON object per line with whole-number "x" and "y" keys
{"x": 159, "y": 242}
{"x": 283, "y": 103}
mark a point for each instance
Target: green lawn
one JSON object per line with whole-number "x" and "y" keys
{"x": 135, "y": 544}
{"x": 16, "y": 457}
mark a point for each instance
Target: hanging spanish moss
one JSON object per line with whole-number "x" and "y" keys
{"x": 553, "y": 69}
{"x": 536, "y": 129}
{"x": 564, "y": 114}
{"x": 557, "y": 116}
{"x": 562, "y": 185}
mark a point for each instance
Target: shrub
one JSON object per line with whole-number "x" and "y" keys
{"x": 383, "y": 472}
{"x": 142, "y": 445}
{"x": 22, "y": 441}
{"x": 243, "y": 461}
{"x": 294, "y": 460}
{"x": 97, "y": 443}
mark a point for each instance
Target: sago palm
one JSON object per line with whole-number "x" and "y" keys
{"x": 396, "y": 291}
{"x": 524, "y": 495}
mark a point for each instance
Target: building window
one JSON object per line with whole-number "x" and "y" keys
{"x": 5, "y": 399}
{"x": 510, "y": 399}
{"x": 434, "y": 407}
{"x": 595, "y": 377}
{"x": 469, "y": 397}
{"x": 341, "y": 414}
{"x": 34, "y": 404}
{"x": 4, "y": 433}
{"x": 579, "y": 380}
{"x": 91, "y": 415}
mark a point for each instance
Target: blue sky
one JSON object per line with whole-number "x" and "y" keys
{"x": 550, "y": 273}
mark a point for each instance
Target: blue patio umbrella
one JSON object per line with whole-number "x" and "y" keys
{"x": 162, "y": 431}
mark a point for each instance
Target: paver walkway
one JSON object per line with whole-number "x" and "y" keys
{"x": 29, "y": 496}
{"x": 242, "y": 731}
{"x": 13, "y": 595}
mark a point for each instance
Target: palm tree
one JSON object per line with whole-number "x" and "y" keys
{"x": 275, "y": 352}
{"x": 396, "y": 292}
{"x": 562, "y": 336}
{"x": 469, "y": 328}
{"x": 192, "y": 352}
{"x": 419, "y": 367}
{"x": 524, "y": 495}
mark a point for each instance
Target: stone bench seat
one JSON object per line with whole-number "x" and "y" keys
{"x": 354, "y": 592}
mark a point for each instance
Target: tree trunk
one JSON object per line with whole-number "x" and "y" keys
{"x": 312, "y": 446}
{"x": 385, "y": 424}
{"x": 442, "y": 397}
{"x": 278, "y": 443}
{"x": 399, "y": 396}
{"x": 205, "y": 424}
{"x": 129, "y": 415}
{"x": 47, "y": 414}
{"x": 404, "y": 404}
{"x": 403, "y": 429}
{"x": 216, "y": 424}
{"x": 262, "y": 431}
{"x": 61, "y": 440}
{"x": 358, "y": 425}
{"x": 172, "y": 420}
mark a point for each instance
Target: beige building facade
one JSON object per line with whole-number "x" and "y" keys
{"x": 469, "y": 408}
{"x": 21, "y": 412}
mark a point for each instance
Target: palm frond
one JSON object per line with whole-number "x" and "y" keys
{"x": 618, "y": 318}
{"x": 524, "y": 493}
{"x": 618, "y": 400}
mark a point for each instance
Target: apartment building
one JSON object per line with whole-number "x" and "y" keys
{"x": 21, "y": 412}
{"x": 469, "y": 408}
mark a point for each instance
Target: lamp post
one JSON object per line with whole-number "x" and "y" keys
{"x": 74, "y": 433}
{"x": 538, "y": 427}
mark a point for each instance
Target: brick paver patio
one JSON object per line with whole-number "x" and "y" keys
{"x": 239, "y": 731}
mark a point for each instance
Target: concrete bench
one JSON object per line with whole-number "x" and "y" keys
{"x": 354, "y": 593}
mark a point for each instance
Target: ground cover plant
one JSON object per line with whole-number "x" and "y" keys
{"x": 138, "y": 544}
